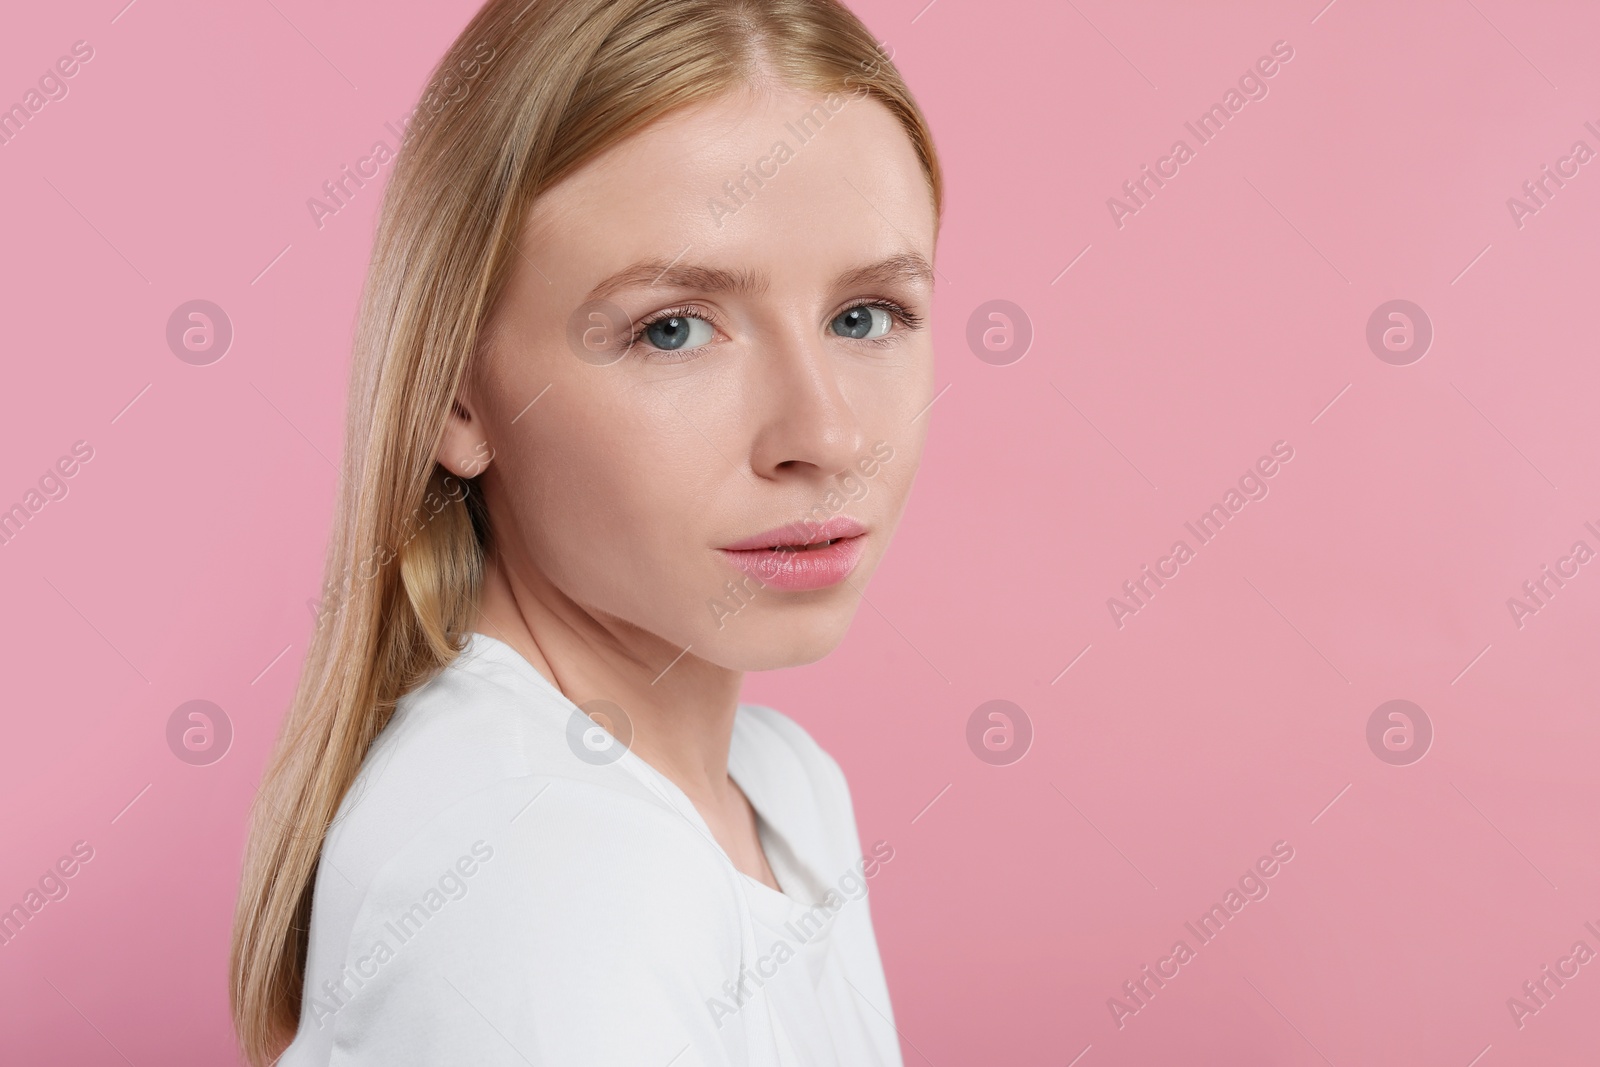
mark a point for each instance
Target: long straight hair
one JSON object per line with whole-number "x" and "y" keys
{"x": 528, "y": 92}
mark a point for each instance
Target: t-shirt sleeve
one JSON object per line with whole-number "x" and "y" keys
{"x": 541, "y": 921}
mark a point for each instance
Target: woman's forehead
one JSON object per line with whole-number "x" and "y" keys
{"x": 754, "y": 178}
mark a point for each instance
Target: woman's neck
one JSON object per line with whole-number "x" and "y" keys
{"x": 680, "y": 707}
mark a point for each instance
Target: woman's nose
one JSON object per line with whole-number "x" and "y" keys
{"x": 806, "y": 418}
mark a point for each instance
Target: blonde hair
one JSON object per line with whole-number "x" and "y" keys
{"x": 528, "y": 92}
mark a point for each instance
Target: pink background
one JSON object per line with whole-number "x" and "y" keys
{"x": 1227, "y": 314}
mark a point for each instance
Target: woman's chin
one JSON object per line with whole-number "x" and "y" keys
{"x": 777, "y": 640}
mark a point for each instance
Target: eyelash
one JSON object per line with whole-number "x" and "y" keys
{"x": 908, "y": 319}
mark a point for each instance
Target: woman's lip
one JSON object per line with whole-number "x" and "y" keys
{"x": 800, "y": 569}
{"x": 801, "y": 532}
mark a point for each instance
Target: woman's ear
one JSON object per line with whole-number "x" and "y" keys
{"x": 463, "y": 450}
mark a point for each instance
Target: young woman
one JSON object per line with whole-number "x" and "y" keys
{"x": 636, "y": 405}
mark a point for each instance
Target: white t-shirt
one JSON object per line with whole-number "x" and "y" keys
{"x": 500, "y": 887}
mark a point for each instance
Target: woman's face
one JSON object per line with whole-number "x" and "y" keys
{"x": 788, "y": 240}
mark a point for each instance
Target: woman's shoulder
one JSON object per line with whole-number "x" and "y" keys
{"x": 789, "y": 775}
{"x": 483, "y": 725}
{"x": 780, "y": 744}
{"x": 480, "y": 863}
{"x": 611, "y": 915}
{"x": 775, "y": 729}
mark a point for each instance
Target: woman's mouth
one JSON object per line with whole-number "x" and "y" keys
{"x": 801, "y": 556}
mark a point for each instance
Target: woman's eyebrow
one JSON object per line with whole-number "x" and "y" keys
{"x": 903, "y": 266}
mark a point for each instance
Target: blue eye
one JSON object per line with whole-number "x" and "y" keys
{"x": 676, "y": 332}
{"x": 684, "y": 329}
{"x": 863, "y": 322}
